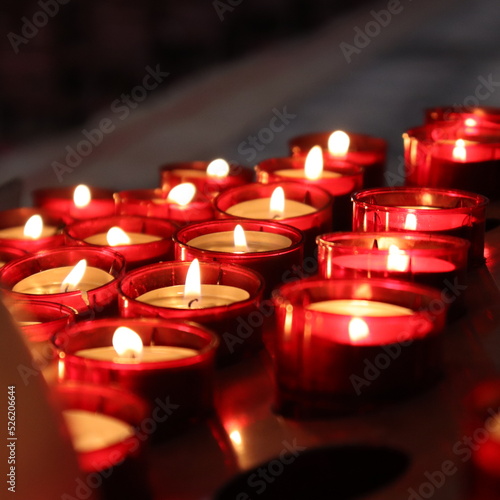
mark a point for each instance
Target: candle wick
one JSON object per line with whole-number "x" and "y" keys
{"x": 375, "y": 245}
{"x": 192, "y": 302}
{"x": 276, "y": 216}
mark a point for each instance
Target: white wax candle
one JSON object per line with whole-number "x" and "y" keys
{"x": 17, "y": 232}
{"x": 28, "y": 323}
{"x": 135, "y": 239}
{"x": 91, "y": 431}
{"x": 259, "y": 209}
{"x": 257, "y": 241}
{"x": 354, "y": 307}
{"x": 49, "y": 281}
{"x": 299, "y": 173}
{"x": 211, "y": 296}
{"x": 149, "y": 354}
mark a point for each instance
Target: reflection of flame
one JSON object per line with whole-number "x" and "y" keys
{"x": 470, "y": 122}
{"x": 313, "y": 166}
{"x": 358, "y": 329}
{"x": 338, "y": 143}
{"x": 127, "y": 343}
{"x": 72, "y": 280}
{"x": 411, "y": 222}
{"x": 459, "y": 152}
{"x": 397, "y": 260}
{"x": 192, "y": 288}
{"x": 33, "y": 227}
{"x": 117, "y": 236}
{"x": 81, "y": 196}
{"x": 218, "y": 168}
{"x": 240, "y": 240}
{"x": 277, "y": 202}
{"x": 182, "y": 194}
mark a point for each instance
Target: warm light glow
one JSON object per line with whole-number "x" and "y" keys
{"x": 240, "y": 240}
{"x": 235, "y": 437}
{"x": 277, "y": 202}
{"x": 182, "y": 194}
{"x": 338, "y": 143}
{"x": 459, "y": 152}
{"x": 81, "y": 196}
{"x": 218, "y": 168}
{"x": 192, "y": 289}
{"x": 127, "y": 343}
{"x": 313, "y": 166}
{"x": 33, "y": 227}
{"x": 470, "y": 122}
{"x": 72, "y": 280}
{"x": 358, "y": 329}
{"x": 397, "y": 260}
{"x": 411, "y": 222}
{"x": 117, "y": 236}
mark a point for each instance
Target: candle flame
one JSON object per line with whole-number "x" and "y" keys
{"x": 459, "y": 152}
{"x": 127, "y": 343}
{"x": 72, "y": 280}
{"x": 192, "y": 288}
{"x": 411, "y": 222}
{"x": 182, "y": 194}
{"x": 33, "y": 227}
{"x": 235, "y": 437}
{"x": 81, "y": 196}
{"x": 240, "y": 240}
{"x": 218, "y": 168}
{"x": 277, "y": 203}
{"x": 117, "y": 236}
{"x": 397, "y": 260}
{"x": 313, "y": 166}
{"x": 470, "y": 122}
{"x": 358, "y": 329}
{"x": 338, "y": 143}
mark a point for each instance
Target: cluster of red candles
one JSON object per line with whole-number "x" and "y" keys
{"x": 151, "y": 290}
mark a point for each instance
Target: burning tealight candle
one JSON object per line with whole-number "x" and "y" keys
{"x": 116, "y": 236}
{"x": 32, "y": 230}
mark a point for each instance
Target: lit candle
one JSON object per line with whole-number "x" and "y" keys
{"x": 32, "y": 230}
{"x": 338, "y": 144}
{"x": 116, "y": 236}
{"x": 194, "y": 295}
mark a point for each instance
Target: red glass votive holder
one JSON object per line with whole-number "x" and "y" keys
{"x": 238, "y": 323}
{"x": 175, "y": 374}
{"x": 481, "y": 427}
{"x": 323, "y": 366}
{"x": 252, "y": 202}
{"x": 105, "y": 426}
{"x": 433, "y": 160}
{"x": 151, "y": 239}
{"x": 59, "y": 202}
{"x": 40, "y": 276}
{"x": 153, "y": 203}
{"x": 195, "y": 172}
{"x": 461, "y": 113}
{"x": 364, "y": 150}
{"x": 273, "y": 249}
{"x": 8, "y": 254}
{"x": 12, "y": 224}
{"x": 340, "y": 178}
{"x": 430, "y": 210}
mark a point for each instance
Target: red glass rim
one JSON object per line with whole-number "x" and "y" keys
{"x": 447, "y": 113}
{"x": 185, "y": 234}
{"x": 10, "y": 253}
{"x": 468, "y": 200}
{"x": 359, "y": 142}
{"x": 37, "y": 310}
{"x": 439, "y": 133}
{"x": 153, "y": 331}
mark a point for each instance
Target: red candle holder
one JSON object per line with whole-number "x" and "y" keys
{"x": 59, "y": 202}
{"x": 430, "y": 210}
{"x": 238, "y": 325}
{"x": 97, "y": 300}
{"x": 322, "y": 368}
{"x": 341, "y": 179}
{"x": 461, "y": 113}
{"x": 432, "y": 159}
{"x": 8, "y": 254}
{"x": 209, "y": 242}
{"x": 364, "y": 150}
{"x": 312, "y": 224}
{"x": 142, "y": 249}
{"x": 118, "y": 470}
{"x": 153, "y": 203}
{"x": 11, "y": 230}
{"x": 195, "y": 172}
{"x": 482, "y": 426}
{"x": 178, "y": 389}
